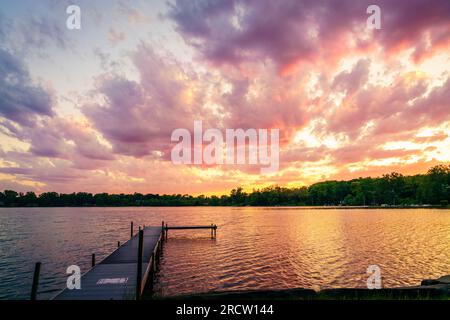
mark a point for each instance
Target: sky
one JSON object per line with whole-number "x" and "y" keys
{"x": 93, "y": 109}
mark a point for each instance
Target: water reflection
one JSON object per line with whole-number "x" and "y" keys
{"x": 255, "y": 247}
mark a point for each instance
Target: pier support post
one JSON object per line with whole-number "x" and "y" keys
{"x": 131, "y": 234}
{"x": 93, "y": 260}
{"x": 118, "y": 244}
{"x": 139, "y": 265}
{"x": 34, "y": 287}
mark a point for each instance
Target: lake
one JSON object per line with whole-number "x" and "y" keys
{"x": 255, "y": 248}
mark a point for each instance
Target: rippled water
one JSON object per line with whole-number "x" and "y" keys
{"x": 255, "y": 247}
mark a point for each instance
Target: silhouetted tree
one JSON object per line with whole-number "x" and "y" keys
{"x": 393, "y": 189}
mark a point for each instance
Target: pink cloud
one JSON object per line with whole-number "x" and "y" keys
{"x": 292, "y": 31}
{"x": 138, "y": 117}
{"x": 253, "y": 63}
{"x": 21, "y": 100}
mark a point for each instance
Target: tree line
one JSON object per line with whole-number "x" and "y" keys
{"x": 432, "y": 188}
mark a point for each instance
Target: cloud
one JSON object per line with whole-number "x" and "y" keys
{"x": 351, "y": 81}
{"x": 418, "y": 167}
{"x": 20, "y": 99}
{"x": 29, "y": 167}
{"x": 138, "y": 117}
{"x": 261, "y": 100}
{"x": 415, "y": 24}
{"x": 133, "y": 14}
{"x": 295, "y": 31}
{"x": 41, "y": 32}
{"x": 426, "y": 110}
{"x": 5, "y": 28}
{"x": 34, "y": 33}
{"x": 439, "y": 136}
{"x": 340, "y": 94}
{"x": 61, "y": 139}
{"x": 366, "y": 151}
{"x": 407, "y": 104}
{"x": 115, "y": 36}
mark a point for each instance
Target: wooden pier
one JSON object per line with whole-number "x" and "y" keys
{"x": 127, "y": 271}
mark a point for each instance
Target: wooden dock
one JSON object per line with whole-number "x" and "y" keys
{"x": 125, "y": 273}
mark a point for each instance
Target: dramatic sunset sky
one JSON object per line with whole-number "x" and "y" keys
{"x": 93, "y": 109}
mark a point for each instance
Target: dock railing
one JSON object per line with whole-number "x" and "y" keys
{"x": 212, "y": 227}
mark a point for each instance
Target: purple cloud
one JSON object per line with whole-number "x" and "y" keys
{"x": 292, "y": 31}
{"x": 20, "y": 100}
{"x": 138, "y": 117}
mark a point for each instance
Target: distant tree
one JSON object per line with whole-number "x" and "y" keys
{"x": 436, "y": 185}
{"x": 49, "y": 199}
{"x": 29, "y": 199}
{"x": 10, "y": 197}
{"x": 237, "y": 196}
{"x": 393, "y": 188}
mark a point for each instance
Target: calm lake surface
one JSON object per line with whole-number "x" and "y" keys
{"x": 255, "y": 248}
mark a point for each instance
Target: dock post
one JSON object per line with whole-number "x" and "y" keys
{"x": 139, "y": 228}
{"x": 139, "y": 265}
{"x": 167, "y": 231}
{"x": 212, "y": 231}
{"x": 118, "y": 244}
{"x": 93, "y": 260}
{"x": 131, "y": 235}
{"x": 34, "y": 287}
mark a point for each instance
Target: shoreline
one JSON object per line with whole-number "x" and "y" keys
{"x": 428, "y": 289}
{"x": 249, "y": 206}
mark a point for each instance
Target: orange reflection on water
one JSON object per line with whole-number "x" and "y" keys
{"x": 277, "y": 248}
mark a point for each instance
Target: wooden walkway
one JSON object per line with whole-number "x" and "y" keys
{"x": 117, "y": 276}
